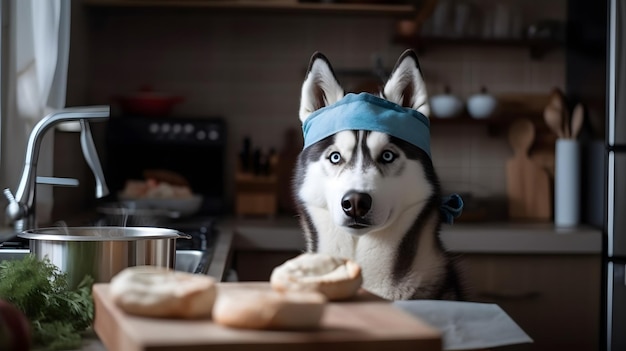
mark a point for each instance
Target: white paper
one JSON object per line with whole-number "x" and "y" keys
{"x": 467, "y": 325}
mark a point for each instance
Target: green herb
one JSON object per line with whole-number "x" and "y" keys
{"x": 40, "y": 290}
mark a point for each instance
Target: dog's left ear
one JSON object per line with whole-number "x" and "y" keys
{"x": 405, "y": 86}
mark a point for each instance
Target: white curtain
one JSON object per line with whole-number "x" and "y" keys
{"x": 38, "y": 52}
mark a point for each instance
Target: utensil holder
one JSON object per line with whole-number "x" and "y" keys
{"x": 257, "y": 194}
{"x": 567, "y": 183}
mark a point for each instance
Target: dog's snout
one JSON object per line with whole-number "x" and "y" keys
{"x": 356, "y": 204}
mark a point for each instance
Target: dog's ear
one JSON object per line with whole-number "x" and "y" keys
{"x": 405, "y": 86}
{"x": 320, "y": 87}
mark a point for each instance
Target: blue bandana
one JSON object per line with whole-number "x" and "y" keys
{"x": 368, "y": 112}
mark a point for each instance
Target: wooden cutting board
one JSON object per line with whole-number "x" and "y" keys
{"x": 528, "y": 184}
{"x": 366, "y": 323}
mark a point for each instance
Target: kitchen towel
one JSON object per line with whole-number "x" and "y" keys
{"x": 467, "y": 325}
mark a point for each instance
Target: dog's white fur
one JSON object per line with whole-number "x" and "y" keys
{"x": 399, "y": 196}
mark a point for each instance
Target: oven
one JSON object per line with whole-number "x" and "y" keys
{"x": 193, "y": 148}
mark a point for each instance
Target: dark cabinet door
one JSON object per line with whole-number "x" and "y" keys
{"x": 616, "y": 307}
{"x": 617, "y": 73}
{"x": 616, "y": 210}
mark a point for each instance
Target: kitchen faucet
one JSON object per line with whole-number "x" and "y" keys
{"x": 21, "y": 207}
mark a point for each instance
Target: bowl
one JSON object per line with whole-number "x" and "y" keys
{"x": 481, "y": 105}
{"x": 183, "y": 206}
{"x": 446, "y": 105}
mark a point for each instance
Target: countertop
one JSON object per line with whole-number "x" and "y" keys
{"x": 521, "y": 238}
{"x": 284, "y": 233}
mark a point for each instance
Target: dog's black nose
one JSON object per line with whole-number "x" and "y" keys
{"x": 356, "y": 204}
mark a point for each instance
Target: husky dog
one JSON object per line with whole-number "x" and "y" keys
{"x": 370, "y": 195}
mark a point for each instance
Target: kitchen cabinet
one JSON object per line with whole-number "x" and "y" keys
{"x": 260, "y": 244}
{"x": 555, "y": 299}
{"x": 257, "y": 265}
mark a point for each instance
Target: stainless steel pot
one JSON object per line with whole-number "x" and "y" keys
{"x": 102, "y": 252}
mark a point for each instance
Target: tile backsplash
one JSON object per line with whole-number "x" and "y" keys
{"x": 248, "y": 68}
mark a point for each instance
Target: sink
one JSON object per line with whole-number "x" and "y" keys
{"x": 12, "y": 254}
{"x": 192, "y": 261}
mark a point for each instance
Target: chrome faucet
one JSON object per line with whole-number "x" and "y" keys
{"x": 21, "y": 208}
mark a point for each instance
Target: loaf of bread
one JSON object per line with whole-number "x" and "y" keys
{"x": 337, "y": 278}
{"x": 152, "y": 291}
{"x": 268, "y": 309}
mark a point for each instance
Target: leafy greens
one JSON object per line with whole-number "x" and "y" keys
{"x": 40, "y": 290}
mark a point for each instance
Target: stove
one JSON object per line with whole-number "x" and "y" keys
{"x": 14, "y": 243}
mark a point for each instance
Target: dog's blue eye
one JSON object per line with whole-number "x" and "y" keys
{"x": 334, "y": 157}
{"x": 388, "y": 156}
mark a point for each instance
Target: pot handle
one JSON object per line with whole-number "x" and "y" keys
{"x": 182, "y": 235}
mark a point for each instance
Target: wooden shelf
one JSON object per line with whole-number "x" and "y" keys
{"x": 496, "y": 121}
{"x": 537, "y": 47}
{"x": 511, "y": 107}
{"x": 498, "y": 125}
{"x": 399, "y": 10}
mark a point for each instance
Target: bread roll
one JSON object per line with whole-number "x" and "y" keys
{"x": 336, "y": 278}
{"x": 152, "y": 291}
{"x": 268, "y": 309}
{"x": 164, "y": 175}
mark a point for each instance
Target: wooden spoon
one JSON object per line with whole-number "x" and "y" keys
{"x": 577, "y": 120}
{"x": 555, "y": 114}
{"x": 561, "y": 105}
{"x": 554, "y": 120}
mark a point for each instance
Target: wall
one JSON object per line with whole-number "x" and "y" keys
{"x": 249, "y": 67}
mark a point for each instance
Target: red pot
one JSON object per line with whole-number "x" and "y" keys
{"x": 148, "y": 103}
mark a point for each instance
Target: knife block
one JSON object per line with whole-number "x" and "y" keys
{"x": 256, "y": 194}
